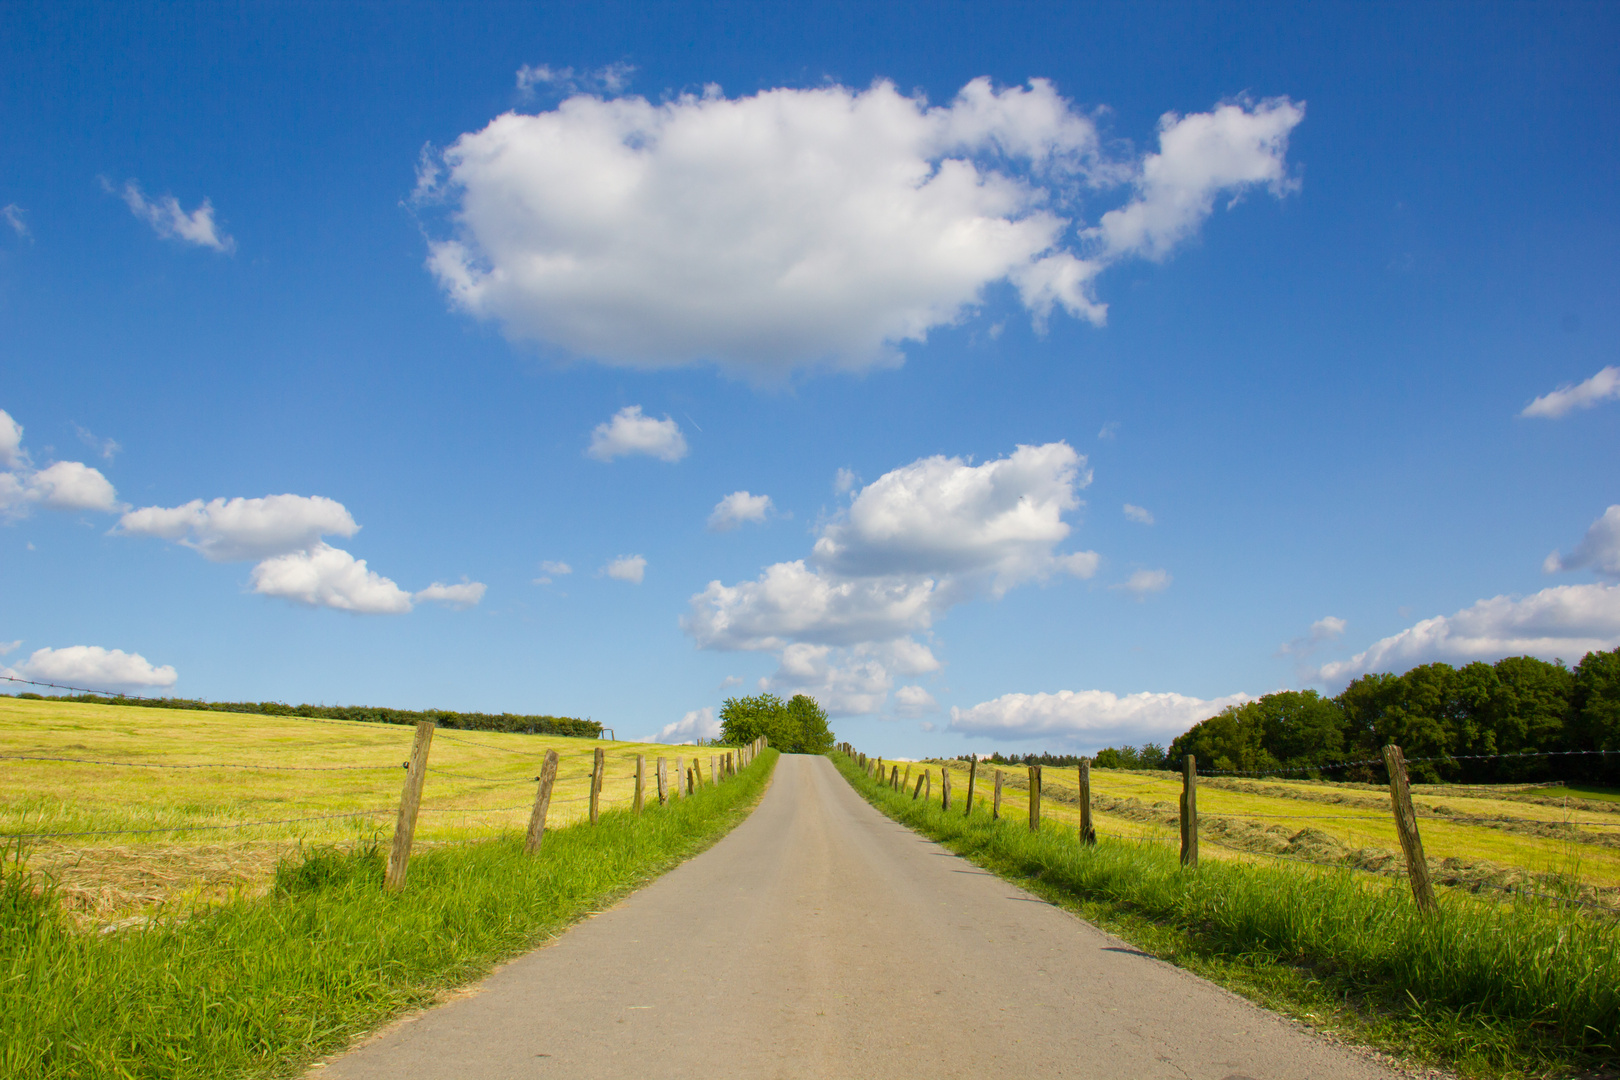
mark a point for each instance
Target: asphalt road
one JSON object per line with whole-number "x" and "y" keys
{"x": 827, "y": 941}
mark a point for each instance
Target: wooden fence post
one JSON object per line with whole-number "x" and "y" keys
{"x": 995, "y": 807}
{"x": 918, "y": 790}
{"x": 1088, "y": 835}
{"x": 641, "y": 782}
{"x": 905, "y": 782}
{"x": 928, "y": 784}
{"x": 692, "y": 778}
{"x": 973, "y": 775}
{"x": 894, "y": 778}
{"x": 409, "y": 800}
{"x": 945, "y": 787}
{"x": 680, "y": 778}
{"x": 542, "y": 803}
{"x": 1189, "y": 811}
{"x": 1400, "y": 797}
{"x": 714, "y": 770}
{"x": 596, "y": 783}
{"x": 1034, "y": 798}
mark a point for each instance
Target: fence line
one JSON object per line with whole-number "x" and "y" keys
{"x": 201, "y": 765}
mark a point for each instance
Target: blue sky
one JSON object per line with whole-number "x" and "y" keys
{"x": 1099, "y": 365}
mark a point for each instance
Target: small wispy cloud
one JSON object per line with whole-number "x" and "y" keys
{"x": 1145, "y": 582}
{"x": 171, "y": 222}
{"x": 551, "y": 568}
{"x": 1604, "y": 386}
{"x": 738, "y": 507}
{"x": 629, "y": 432}
{"x": 1138, "y": 514}
{"x": 107, "y": 448}
{"x": 1327, "y": 628}
{"x": 14, "y": 217}
{"x": 612, "y": 79}
{"x": 631, "y": 568}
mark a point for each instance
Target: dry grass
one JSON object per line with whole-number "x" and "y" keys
{"x": 1514, "y": 836}
{"x": 481, "y": 783}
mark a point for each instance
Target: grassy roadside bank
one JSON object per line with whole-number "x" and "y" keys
{"x": 262, "y": 987}
{"x": 1490, "y": 990}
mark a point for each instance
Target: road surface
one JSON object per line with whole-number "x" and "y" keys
{"x": 838, "y": 944}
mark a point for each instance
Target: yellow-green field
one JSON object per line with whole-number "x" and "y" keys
{"x": 479, "y": 783}
{"x": 1514, "y": 836}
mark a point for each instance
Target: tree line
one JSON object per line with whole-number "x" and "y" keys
{"x": 469, "y": 721}
{"x": 795, "y": 726}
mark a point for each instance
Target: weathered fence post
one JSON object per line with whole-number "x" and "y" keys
{"x": 894, "y": 778}
{"x": 973, "y": 774}
{"x": 906, "y": 780}
{"x": 680, "y": 778}
{"x": 1034, "y": 798}
{"x": 1088, "y": 835}
{"x": 641, "y": 782}
{"x": 542, "y": 803}
{"x": 409, "y": 800}
{"x": 995, "y": 807}
{"x": 928, "y": 784}
{"x": 1189, "y": 811}
{"x": 692, "y": 778}
{"x": 945, "y": 787}
{"x": 714, "y": 770}
{"x": 1400, "y": 797}
{"x": 596, "y": 783}
{"x": 918, "y": 789}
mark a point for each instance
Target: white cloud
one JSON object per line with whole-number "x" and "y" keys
{"x": 1087, "y": 719}
{"x": 913, "y": 701}
{"x": 14, "y": 217}
{"x": 631, "y": 568}
{"x": 465, "y": 595}
{"x": 1604, "y": 386}
{"x": 919, "y": 540}
{"x": 1138, "y": 515}
{"x": 325, "y": 576}
{"x": 1000, "y": 520}
{"x": 1567, "y": 621}
{"x": 550, "y": 567}
{"x": 1229, "y": 150}
{"x": 1599, "y": 549}
{"x": 1109, "y": 431}
{"x": 1145, "y": 582}
{"x": 725, "y": 684}
{"x": 171, "y": 222}
{"x": 73, "y": 485}
{"x": 1327, "y": 628}
{"x": 9, "y": 647}
{"x": 629, "y": 432}
{"x": 845, "y": 481}
{"x": 801, "y": 228}
{"x": 11, "y": 451}
{"x": 695, "y": 725}
{"x": 94, "y": 668}
{"x": 236, "y": 530}
{"x": 738, "y": 507}
{"x": 107, "y": 448}
{"x": 611, "y": 79}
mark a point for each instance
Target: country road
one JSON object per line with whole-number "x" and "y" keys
{"x": 839, "y": 944}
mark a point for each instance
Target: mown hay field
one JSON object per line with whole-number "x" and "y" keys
{"x": 1545, "y": 839}
{"x": 151, "y": 838}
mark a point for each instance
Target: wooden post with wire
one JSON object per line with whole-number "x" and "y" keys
{"x": 1189, "y": 811}
{"x": 918, "y": 789}
{"x": 542, "y": 803}
{"x": 1400, "y": 797}
{"x": 973, "y": 774}
{"x": 680, "y": 778}
{"x": 945, "y": 787}
{"x": 596, "y": 784}
{"x": 641, "y": 782}
{"x": 714, "y": 771}
{"x": 995, "y": 807}
{"x": 410, "y": 800}
{"x": 905, "y": 781}
{"x": 1034, "y": 798}
{"x": 1088, "y": 834}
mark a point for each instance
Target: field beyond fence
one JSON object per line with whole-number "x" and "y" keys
{"x": 1516, "y": 974}
{"x": 303, "y": 948}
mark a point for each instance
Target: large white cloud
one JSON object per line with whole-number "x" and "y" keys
{"x": 810, "y": 227}
{"x": 238, "y": 530}
{"x": 1567, "y": 621}
{"x": 94, "y": 668}
{"x": 917, "y": 541}
{"x": 1599, "y": 549}
{"x": 326, "y": 576}
{"x": 1604, "y": 386}
{"x": 168, "y": 220}
{"x": 943, "y": 515}
{"x": 630, "y": 433}
{"x": 1087, "y": 719}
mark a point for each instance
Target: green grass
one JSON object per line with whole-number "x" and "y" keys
{"x": 263, "y": 987}
{"x": 1488, "y": 989}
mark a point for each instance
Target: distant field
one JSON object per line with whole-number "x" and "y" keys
{"x": 1514, "y": 836}
{"x": 479, "y": 784}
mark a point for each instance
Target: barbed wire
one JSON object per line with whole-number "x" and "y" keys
{"x": 59, "y": 686}
{"x": 1334, "y": 765}
{"x": 485, "y": 779}
{"x": 205, "y": 764}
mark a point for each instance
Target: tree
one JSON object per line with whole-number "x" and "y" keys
{"x": 798, "y": 726}
{"x": 805, "y": 730}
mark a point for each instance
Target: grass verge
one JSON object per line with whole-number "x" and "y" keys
{"x": 1488, "y": 990}
{"x": 262, "y": 987}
